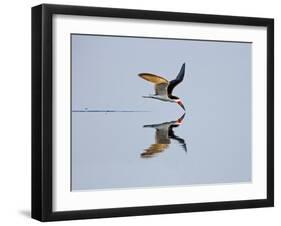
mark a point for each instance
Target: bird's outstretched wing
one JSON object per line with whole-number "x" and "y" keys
{"x": 175, "y": 82}
{"x": 161, "y": 89}
{"x": 156, "y": 79}
{"x": 161, "y": 83}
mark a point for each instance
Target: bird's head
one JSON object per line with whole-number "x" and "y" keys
{"x": 180, "y": 103}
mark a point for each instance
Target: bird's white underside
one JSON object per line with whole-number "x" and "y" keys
{"x": 162, "y": 98}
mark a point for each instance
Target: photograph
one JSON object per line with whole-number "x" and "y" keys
{"x": 159, "y": 112}
{"x": 141, "y": 112}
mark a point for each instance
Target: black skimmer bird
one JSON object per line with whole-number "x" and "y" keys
{"x": 163, "y": 135}
{"x": 164, "y": 88}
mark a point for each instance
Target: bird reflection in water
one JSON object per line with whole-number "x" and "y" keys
{"x": 163, "y": 135}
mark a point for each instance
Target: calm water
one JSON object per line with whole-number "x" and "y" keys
{"x": 147, "y": 149}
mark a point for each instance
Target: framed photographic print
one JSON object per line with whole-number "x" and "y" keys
{"x": 145, "y": 112}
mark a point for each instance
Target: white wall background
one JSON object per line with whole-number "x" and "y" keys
{"x": 15, "y": 92}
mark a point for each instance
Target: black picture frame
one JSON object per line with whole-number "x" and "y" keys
{"x": 42, "y": 106}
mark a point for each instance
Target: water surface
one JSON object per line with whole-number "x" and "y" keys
{"x": 122, "y": 150}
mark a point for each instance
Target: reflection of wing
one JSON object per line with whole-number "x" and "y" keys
{"x": 154, "y": 149}
{"x": 164, "y": 132}
{"x": 161, "y": 83}
{"x": 162, "y": 142}
{"x": 172, "y": 135}
{"x": 175, "y": 137}
{"x": 161, "y": 136}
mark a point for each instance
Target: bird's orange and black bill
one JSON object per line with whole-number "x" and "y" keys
{"x": 181, "y": 104}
